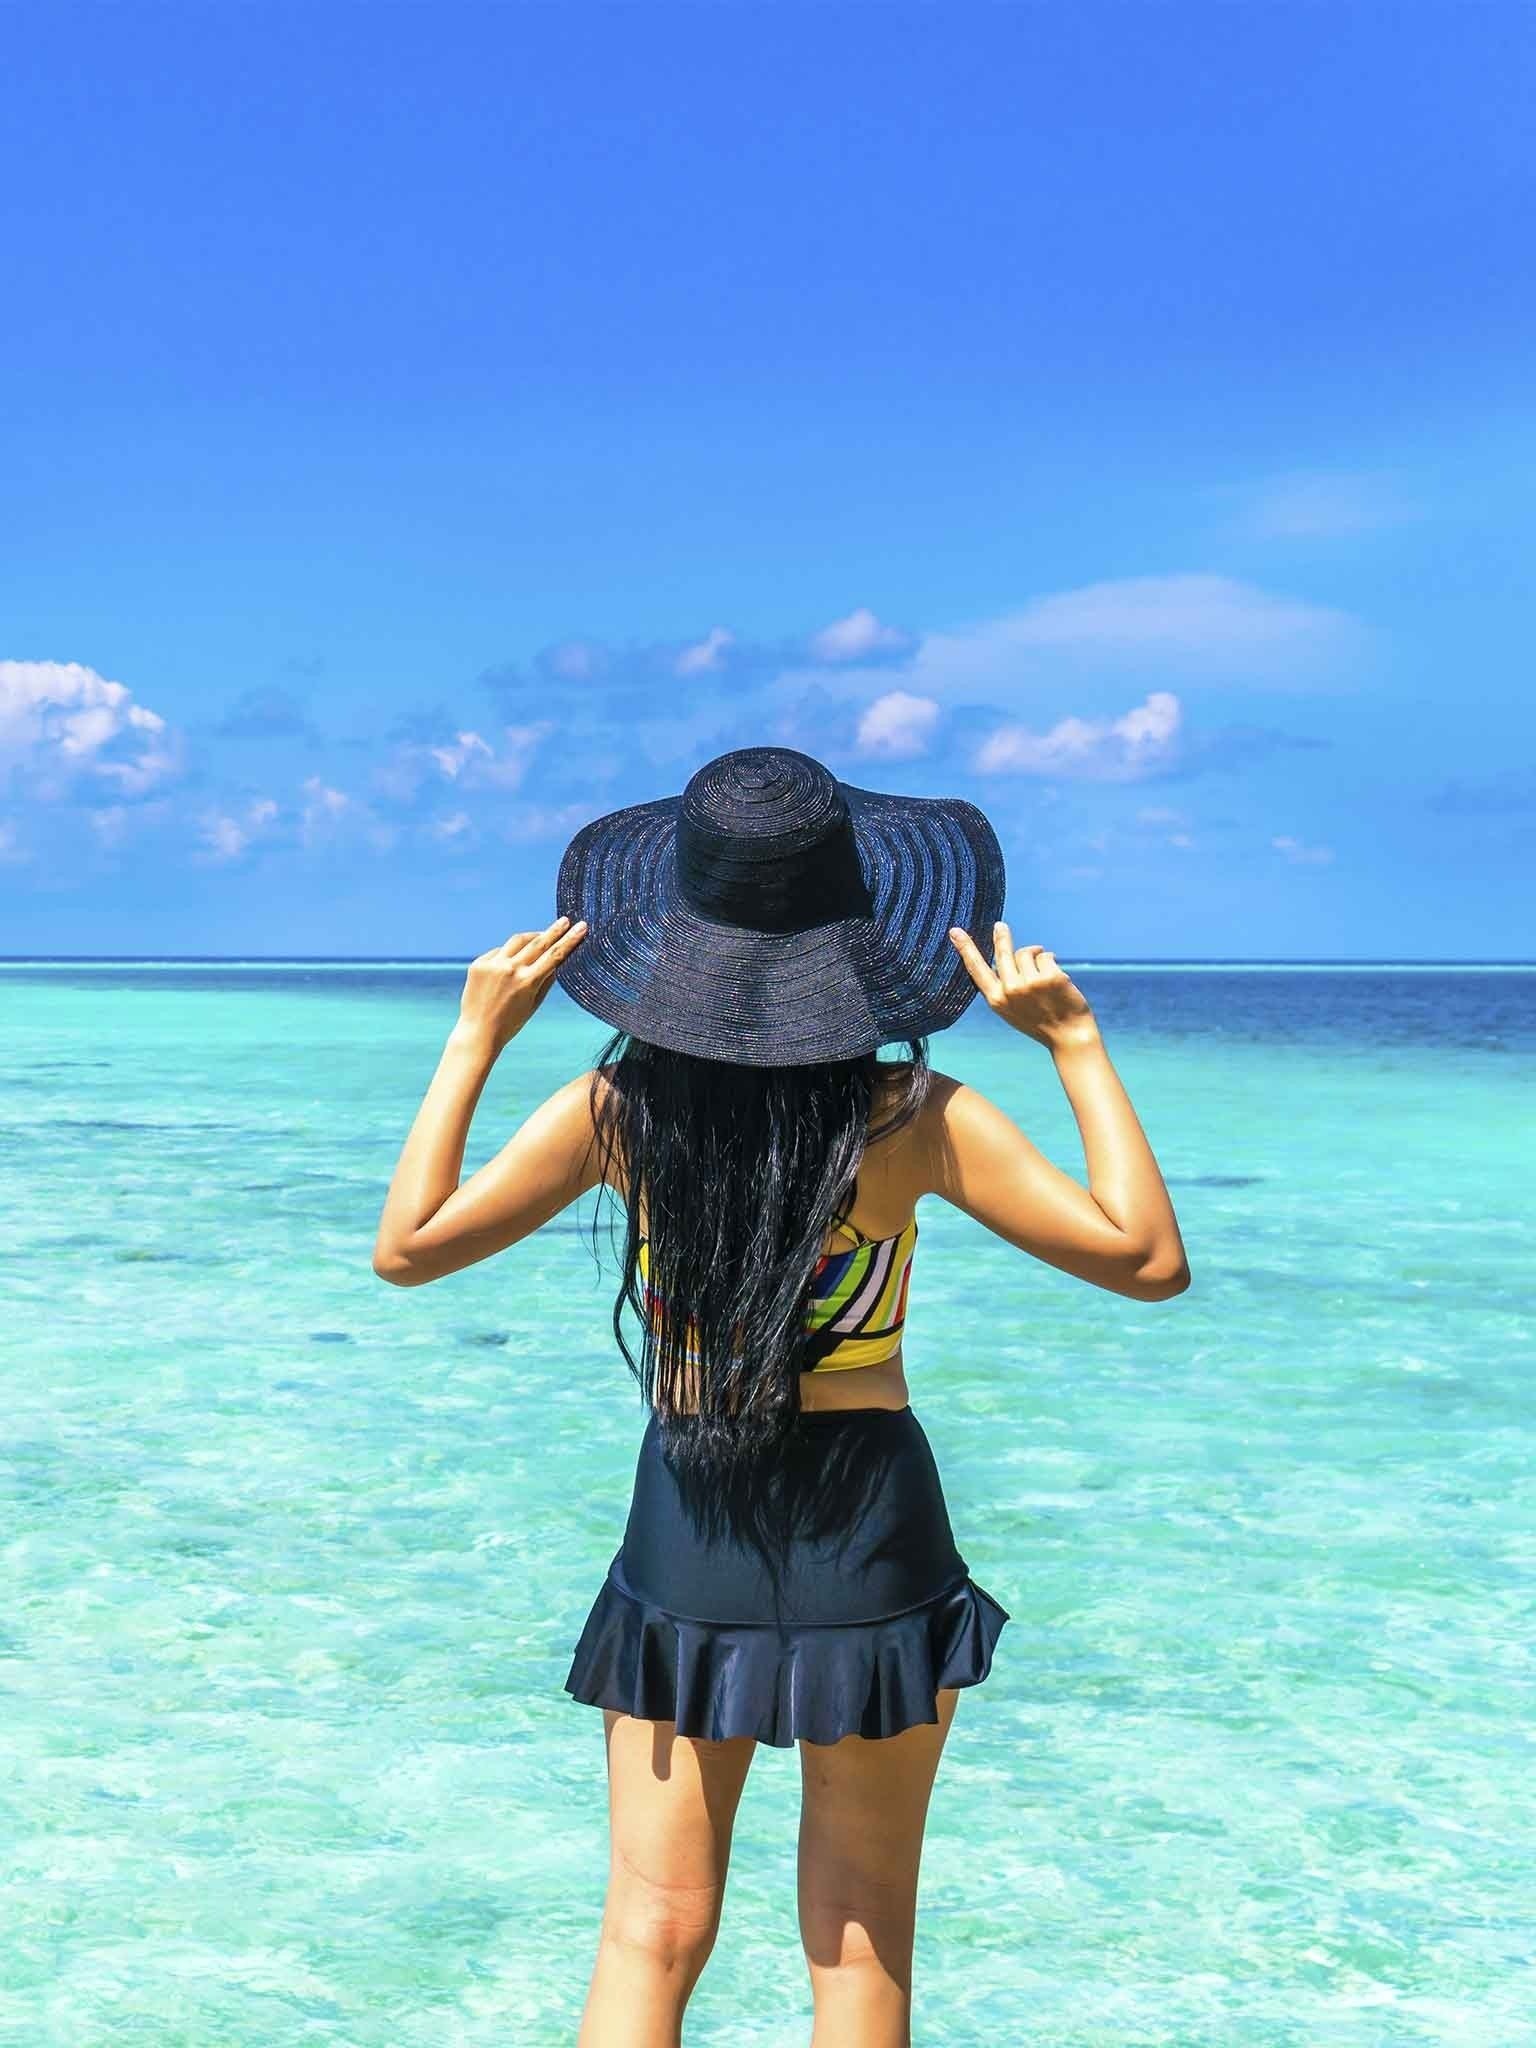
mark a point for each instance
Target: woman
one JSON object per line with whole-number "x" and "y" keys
{"x": 788, "y": 1572}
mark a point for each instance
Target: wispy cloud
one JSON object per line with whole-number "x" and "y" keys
{"x": 1201, "y": 622}
{"x": 334, "y": 819}
{"x": 265, "y": 713}
{"x": 574, "y": 661}
{"x": 1470, "y": 796}
{"x": 455, "y": 830}
{"x": 322, "y": 810}
{"x": 1301, "y": 855}
{"x": 465, "y": 748}
{"x": 111, "y": 824}
{"x": 544, "y": 821}
{"x": 1327, "y": 505}
{"x": 706, "y": 656}
{"x": 227, "y": 834}
{"x": 1167, "y": 823}
{"x": 319, "y": 819}
{"x": 465, "y": 758}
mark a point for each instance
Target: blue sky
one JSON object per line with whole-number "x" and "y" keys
{"x": 429, "y": 427}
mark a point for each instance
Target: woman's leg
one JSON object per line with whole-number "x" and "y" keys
{"x": 672, "y": 1803}
{"x": 864, "y": 1805}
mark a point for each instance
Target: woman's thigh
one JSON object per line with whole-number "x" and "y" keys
{"x": 864, "y": 1807}
{"x": 672, "y": 1803}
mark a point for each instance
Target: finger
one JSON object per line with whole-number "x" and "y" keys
{"x": 1029, "y": 960}
{"x": 980, "y": 972}
{"x": 567, "y": 942}
{"x": 527, "y": 946}
{"x": 1046, "y": 962}
{"x": 514, "y": 945}
{"x": 1004, "y": 957}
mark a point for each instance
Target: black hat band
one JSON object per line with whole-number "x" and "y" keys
{"x": 733, "y": 881}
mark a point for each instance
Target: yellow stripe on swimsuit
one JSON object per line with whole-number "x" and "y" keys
{"x": 858, "y": 1297}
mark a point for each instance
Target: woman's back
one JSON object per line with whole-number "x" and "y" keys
{"x": 859, "y": 1288}
{"x": 965, "y": 1148}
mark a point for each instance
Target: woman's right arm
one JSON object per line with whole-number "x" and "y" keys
{"x": 1119, "y": 1232}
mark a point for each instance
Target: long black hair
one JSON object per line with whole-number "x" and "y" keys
{"x": 741, "y": 1171}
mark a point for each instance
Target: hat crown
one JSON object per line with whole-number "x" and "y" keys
{"x": 761, "y": 797}
{"x": 765, "y": 842}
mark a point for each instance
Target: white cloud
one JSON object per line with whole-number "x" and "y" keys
{"x": 111, "y": 824}
{"x": 323, "y": 816}
{"x": 850, "y": 639}
{"x": 522, "y": 743}
{"x": 1158, "y": 816}
{"x": 466, "y": 747}
{"x": 704, "y": 657}
{"x": 1097, "y": 750}
{"x": 545, "y": 821}
{"x": 1325, "y": 505}
{"x": 898, "y": 726}
{"x": 575, "y": 661}
{"x": 322, "y": 810}
{"x": 60, "y": 720}
{"x": 474, "y": 762}
{"x": 1193, "y": 618}
{"x": 227, "y": 834}
{"x": 454, "y": 829}
{"x": 225, "y": 838}
{"x": 331, "y": 817}
{"x": 469, "y": 761}
{"x": 1295, "y": 851}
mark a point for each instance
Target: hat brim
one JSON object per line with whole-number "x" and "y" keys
{"x": 652, "y": 966}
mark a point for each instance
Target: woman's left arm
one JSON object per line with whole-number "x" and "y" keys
{"x": 430, "y": 1224}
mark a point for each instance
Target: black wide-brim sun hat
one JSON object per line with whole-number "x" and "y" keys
{"x": 773, "y": 915}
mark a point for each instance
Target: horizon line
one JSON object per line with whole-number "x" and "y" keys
{"x": 459, "y": 960}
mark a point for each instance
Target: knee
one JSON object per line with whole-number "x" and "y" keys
{"x": 861, "y": 1929}
{"x": 670, "y": 1928}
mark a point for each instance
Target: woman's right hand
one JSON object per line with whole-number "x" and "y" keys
{"x": 1027, "y": 989}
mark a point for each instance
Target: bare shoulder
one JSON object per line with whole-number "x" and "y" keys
{"x": 955, "y": 1121}
{"x": 599, "y": 1098}
{"x": 910, "y": 1157}
{"x": 563, "y": 1128}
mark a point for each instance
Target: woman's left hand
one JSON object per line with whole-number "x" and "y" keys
{"x": 505, "y": 986}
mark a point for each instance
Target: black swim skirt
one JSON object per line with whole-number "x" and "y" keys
{"x": 847, "y": 1621}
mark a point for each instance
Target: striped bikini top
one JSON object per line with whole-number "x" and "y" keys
{"x": 858, "y": 1297}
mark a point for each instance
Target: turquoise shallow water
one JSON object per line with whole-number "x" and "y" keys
{"x": 294, "y": 1561}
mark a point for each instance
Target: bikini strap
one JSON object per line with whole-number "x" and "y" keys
{"x": 840, "y": 1215}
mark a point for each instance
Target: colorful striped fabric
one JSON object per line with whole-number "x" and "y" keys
{"x": 858, "y": 1296}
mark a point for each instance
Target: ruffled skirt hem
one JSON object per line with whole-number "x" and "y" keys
{"x": 781, "y": 1684}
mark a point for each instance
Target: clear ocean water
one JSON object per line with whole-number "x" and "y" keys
{"x": 294, "y": 1561}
